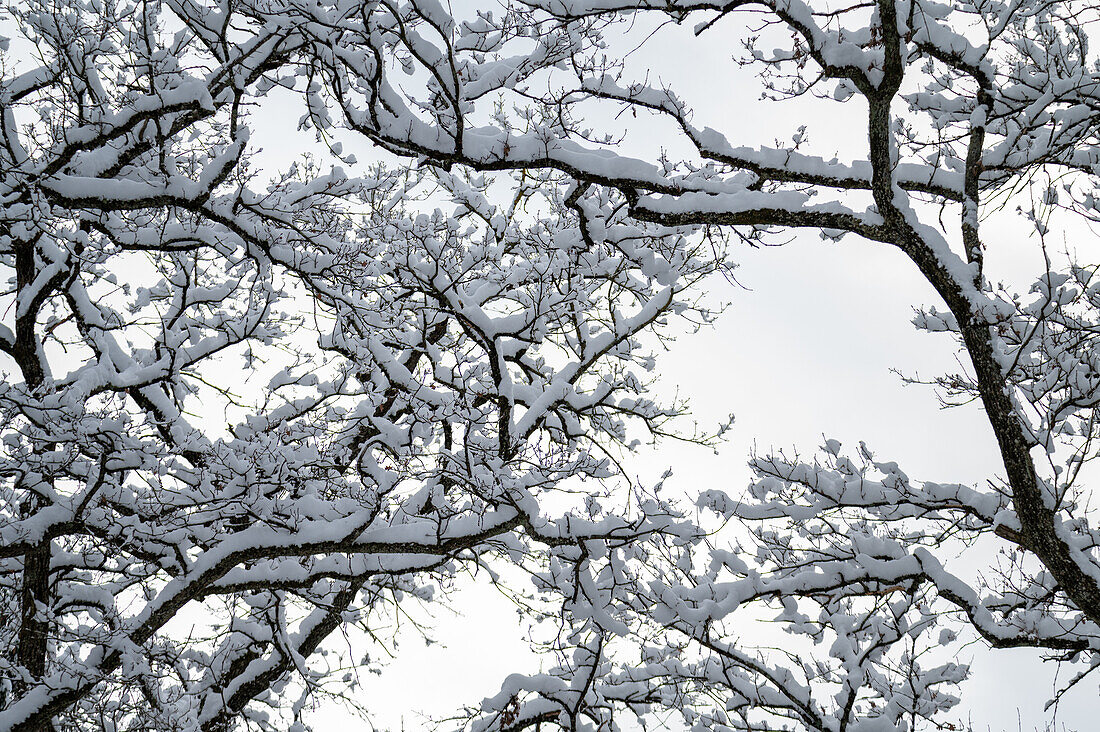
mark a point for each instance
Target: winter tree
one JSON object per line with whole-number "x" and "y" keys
{"x": 963, "y": 109}
{"x": 243, "y": 409}
{"x": 447, "y": 352}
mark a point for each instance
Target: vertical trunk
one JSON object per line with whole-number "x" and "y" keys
{"x": 32, "y": 650}
{"x": 34, "y": 595}
{"x": 35, "y": 598}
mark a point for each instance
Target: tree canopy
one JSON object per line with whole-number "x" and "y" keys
{"x": 444, "y": 353}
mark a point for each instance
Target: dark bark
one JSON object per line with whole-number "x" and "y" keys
{"x": 32, "y": 649}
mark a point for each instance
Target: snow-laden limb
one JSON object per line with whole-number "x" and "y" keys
{"x": 1019, "y": 609}
{"x": 241, "y": 411}
{"x": 843, "y": 559}
{"x": 862, "y": 613}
